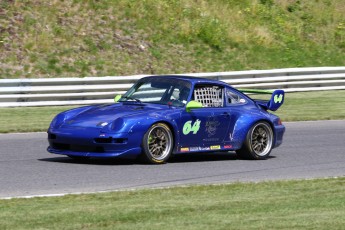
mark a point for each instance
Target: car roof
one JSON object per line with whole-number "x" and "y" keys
{"x": 198, "y": 80}
{"x": 191, "y": 79}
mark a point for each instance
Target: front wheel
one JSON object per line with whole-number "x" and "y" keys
{"x": 258, "y": 143}
{"x": 157, "y": 144}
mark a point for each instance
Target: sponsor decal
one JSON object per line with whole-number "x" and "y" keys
{"x": 227, "y": 146}
{"x": 204, "y": 148}
{"x": 212, "y": 125}
{"x": 278, "y": 99}
{"x": 190, "y": 127}
{"x": 194, "y": 149}
{"x": 231, "y": 135}
{"x": 215, "y": 147}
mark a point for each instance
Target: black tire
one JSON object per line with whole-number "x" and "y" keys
{"x": 258, "y": 143}
{"x": 157, "y": 144}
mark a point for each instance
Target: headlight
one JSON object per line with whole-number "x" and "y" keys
{"x": 58, "y": 120}
{"x": 53, "y": 123}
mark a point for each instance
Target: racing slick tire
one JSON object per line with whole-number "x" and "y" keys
{"x": 157, "y": 144}
{"x": 258, "y": 143}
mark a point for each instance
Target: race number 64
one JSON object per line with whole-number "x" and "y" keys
{"x": 190, "y": 127}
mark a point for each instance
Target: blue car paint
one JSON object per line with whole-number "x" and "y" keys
{"x": 112, "y": 130}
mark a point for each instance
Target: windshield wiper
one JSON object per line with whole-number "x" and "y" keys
{"x": 132, "y": 98}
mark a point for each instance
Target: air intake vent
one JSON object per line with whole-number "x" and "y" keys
{"x": 111, "y": 140}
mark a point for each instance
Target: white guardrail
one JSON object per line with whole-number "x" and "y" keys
{"x": 92, "y": 90}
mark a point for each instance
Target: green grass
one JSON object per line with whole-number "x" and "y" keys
{"x": 30, "y": 119}
{"x": 321, "y": 105}
{"x": 309, "y": 204}
{"x": 76, "y": 38}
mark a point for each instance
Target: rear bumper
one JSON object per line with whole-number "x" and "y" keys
{"x": 279, "y": 131}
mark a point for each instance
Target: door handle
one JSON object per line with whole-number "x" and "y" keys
{"x": 226, "y": 114}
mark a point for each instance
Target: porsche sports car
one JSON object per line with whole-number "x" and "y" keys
{"x": 164, "y": 115}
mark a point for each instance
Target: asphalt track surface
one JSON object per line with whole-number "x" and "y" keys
{"x": 310, "y": 150}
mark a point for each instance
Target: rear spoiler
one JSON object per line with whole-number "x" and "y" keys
{"x": 277, "y": 98}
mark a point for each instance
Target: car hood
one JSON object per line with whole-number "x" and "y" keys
{"x": 102, "y": 115}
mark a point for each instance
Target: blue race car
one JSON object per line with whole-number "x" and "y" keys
{"x": 163, "y": 115}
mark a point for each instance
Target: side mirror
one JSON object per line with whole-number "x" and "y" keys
{"x": 193, "y": 105}
{"x": 117, "y": 98}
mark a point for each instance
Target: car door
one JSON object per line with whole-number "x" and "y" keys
{"x": 204, "y": 128}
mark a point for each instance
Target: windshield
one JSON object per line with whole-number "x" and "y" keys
{"x": 159, "y": 90}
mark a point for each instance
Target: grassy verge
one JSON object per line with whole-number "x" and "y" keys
{"x": 76, "y": 38}
{"x": 30, "y": 119}
{"x": 323, "y": 105}
{"x": 312, "y": 204}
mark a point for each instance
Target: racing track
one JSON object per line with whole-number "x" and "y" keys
{"x": 310, "y": 150}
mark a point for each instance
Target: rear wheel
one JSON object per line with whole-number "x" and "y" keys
{"x": 157, "y": 144}
{"x": 258, "y": 143}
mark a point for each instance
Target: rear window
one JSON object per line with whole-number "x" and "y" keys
{"x": 234, "y": 98}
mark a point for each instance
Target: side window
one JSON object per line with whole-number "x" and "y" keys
{"x": 209, "y": 95}
{"x": 234, "y": 98}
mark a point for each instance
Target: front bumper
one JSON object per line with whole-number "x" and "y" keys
{"x": 130, "y": 153}
{"x": 91, "y": 142}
